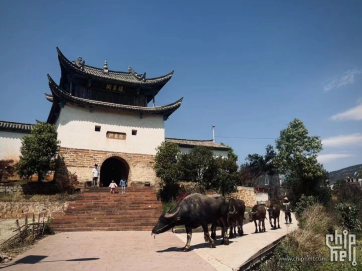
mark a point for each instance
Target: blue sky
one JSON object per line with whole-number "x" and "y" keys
{"x": 248, "y": 67}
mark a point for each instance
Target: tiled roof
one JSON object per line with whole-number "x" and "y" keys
{"x": 165, "y": 110}
{"x": 16, "y": 127}
{"x": 193, "y": 143}
{"x": 129, "y": 77}
{"x": 49, "y": 97}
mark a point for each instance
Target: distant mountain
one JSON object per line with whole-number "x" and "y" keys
{"x": 344, "y": 172}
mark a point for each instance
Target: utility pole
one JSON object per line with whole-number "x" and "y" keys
{"x": 213, "y": 133}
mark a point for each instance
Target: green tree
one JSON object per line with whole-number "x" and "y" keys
{"x": 199, "y": 167}
{"x": 166, "y": 166}
{"x": 225, "y": 181}
{"x": 245, "y": 176}
{"x": 6, "y": 169}
{"x": 231, "y": 153}
{"x": 38, "y": 151}
{"x": 259, "y": 164}
{"x": 297, "y": 159}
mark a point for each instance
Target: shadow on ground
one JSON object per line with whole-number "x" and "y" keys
{"x": 33, "y": 259}
{"x": 203, "y": 245}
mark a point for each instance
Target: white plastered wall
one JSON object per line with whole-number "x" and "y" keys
{"x": 10, "y": 144}
{"x": 76, "y": 129}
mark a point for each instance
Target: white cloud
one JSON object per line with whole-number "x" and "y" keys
{"x": 325, "y": 158}
{"x": 354, "y": 113}
{"x": 343, "y": 140}
{"x": 346, "y": 79}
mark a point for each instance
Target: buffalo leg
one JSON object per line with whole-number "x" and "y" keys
{"x": 240, "y": 227}
{"x": 260, "y": 225}
{"x": 213, "y": 231}
{"x": 225, "y": 239}
{"x": 207, "y": 236}
{"x": 271, "y": 220}
{"x": 231, "y": 229}
{"x": 278, "y": 222}
{"x": 256, "y": 227}
{"x": 189, "y": 235}
{"x": 264, "y": 224}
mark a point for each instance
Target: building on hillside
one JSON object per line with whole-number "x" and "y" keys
{"x": 267, "y": 185}
{"x": 102, "y": 117}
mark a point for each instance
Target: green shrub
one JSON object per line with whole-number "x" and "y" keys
{"x": 168, "y": 192}
{"x": 347, "y": 214}
{"x": 304, "y": 203}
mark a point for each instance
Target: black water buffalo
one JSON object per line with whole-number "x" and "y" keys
{"x": 236, "y": 216}
{"x": 194, "y": 211}
{"x": 258, "y": 213}
{"x": 274, "y": 213}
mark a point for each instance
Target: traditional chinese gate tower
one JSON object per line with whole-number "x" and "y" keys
{"x": 102, "y": 118}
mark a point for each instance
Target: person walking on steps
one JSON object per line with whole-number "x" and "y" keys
{"x": 113, "y": 186}
{"x": 287, "y": 211}
{"x": 123, "y": 184}
{"x": 95, "y": 172}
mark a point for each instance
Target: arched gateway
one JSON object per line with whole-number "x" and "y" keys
{"x": 113, "y": 168}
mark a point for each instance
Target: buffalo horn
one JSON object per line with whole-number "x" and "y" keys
{"x": 170, "y": 215}
{"x": 233, "y": 212}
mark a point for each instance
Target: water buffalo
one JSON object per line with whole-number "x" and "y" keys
{"x": 236, "y": 210}
{"x": 274, "y": 213}
{"x": 258, "y": 213}
{"x": 194, "y": 211}
{"x": 236, "y": 216}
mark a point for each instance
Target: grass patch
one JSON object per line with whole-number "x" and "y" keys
{"x": 309, "y": 241}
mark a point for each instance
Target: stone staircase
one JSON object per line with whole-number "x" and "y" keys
{"x": 98, "y": 210}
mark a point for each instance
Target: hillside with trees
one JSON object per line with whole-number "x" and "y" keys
{"x": 344, "y": 172}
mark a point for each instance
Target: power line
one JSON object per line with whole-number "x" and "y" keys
{"x": 244, "y": 137}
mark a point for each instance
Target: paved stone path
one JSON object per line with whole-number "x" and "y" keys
{"x": 130, "y": 251}
{"x": 100, "y": 250}
{"x": 241, "y": 248}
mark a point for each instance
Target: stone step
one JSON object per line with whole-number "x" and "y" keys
{"x": 113, "y": 204}
{"x": 102, "y": 217}
{"x": 61, "y": 223}
{"x": 128, "y": 228}
{"x": 100, "y": 221}
{"x": 110, "y": 211}
{"x": 97, "y": 209}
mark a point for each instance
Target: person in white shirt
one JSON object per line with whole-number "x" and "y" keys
{"x": 95, "y": 172}
{"x": 113, "y": 186}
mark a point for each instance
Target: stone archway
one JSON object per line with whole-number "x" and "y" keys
{"x": 113, "y": 168}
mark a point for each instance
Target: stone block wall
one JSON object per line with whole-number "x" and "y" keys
{"x": 17, "y": 210}
{"x": 247, "y": 194}
{"x": 82, "y": 161}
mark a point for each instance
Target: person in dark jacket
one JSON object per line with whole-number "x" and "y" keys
{"x": 287, "y": 210}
